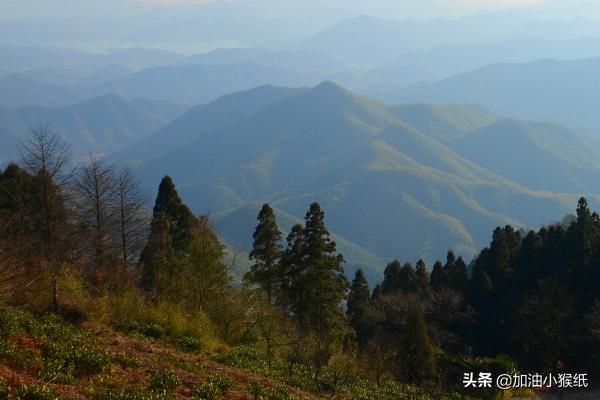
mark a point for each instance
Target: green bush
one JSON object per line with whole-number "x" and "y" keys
{"x": 207, "y": 391}
{"x": 4, "y": 390}
{"x": 214, "y": 387}
{"x": 164, "y": 382}
{"x": 81, "y": 357}
{"x": 94, "y": 393}
{"x": 34, "y": 392}
{"x": 17, "y": 357}
{"x": 189, "y": 344}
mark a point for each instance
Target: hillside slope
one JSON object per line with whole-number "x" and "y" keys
{"x": 388, "y": 178}
{"x": 100, "y": 125}
{"x": 562, "y": 92}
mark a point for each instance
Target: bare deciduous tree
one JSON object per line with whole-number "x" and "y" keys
{"x": 47, "y": 158}
{"x": 95, "y": 192}
{"x": 132, "y": 216}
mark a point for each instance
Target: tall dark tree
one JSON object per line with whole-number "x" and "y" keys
{"x": 417, "y": 357}
{"x": 323, "y": 283}
{"x": 456, "y": 274}
{"x": 292, "y": 270}
{"x": 359, "y": 300}
{"x": 438, "y": 279}
{"x": 266, "y": 253}
{"x": 171, "y": 230}
{"x": 422, "y": 276}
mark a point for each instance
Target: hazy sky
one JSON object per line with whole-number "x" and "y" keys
{"x": 229, "y": 23}
{"x": 16, "y": 9}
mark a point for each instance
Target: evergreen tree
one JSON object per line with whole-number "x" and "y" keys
{"x": 292, "y": 270}
{"x": 359, "y": 299}
{"x": 171, "y": 231}
{"x": 321, "y": 279}
{"x": 422, "y": 276}
{"x": 438, "y": 279}
{"x": 417, "y": 356}
{"x": 456, "y": 275}
{"x": 266, "y": 253}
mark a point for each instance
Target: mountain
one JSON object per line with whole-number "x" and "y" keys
{"x": 307, "y": 62}
{"x": 100, "y": 125}
{"x": 196, "y": 84}
{"x": 562, "y": 92}
{"x": 77, "y": 62}
{"x": 537, "y": 155}
{"x": 220, "y": 112}
{"x": 388, "y": 177}
{"x": 368, "y": 42}
{"x": 444, "y": 122}
{"x": 442, "y": 62}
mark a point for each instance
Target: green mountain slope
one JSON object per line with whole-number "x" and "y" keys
{"x": 195, "y": 84}
{"x": 537, "y": 155}
{"x": 562, "y": 92}
{"x": 100, "y": 125}
{"x": 203, "y": 118}
{"x": 387, "y": 182}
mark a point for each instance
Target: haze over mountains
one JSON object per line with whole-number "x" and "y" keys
{"x": 472, "y": 121}
{"x": 408, "y": 175}
{"x": 101, "y": 125}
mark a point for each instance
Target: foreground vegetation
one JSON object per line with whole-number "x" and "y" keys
{"x": 99, "y": 301}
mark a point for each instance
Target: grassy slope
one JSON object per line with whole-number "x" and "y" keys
{"x": 46, "y": 358}
{"x": 134, "y": 361}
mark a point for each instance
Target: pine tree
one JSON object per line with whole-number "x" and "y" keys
{"x": 417, "y": 355}
{"x": 180, "y": 219}
{"x": 438, "y": 279}
{"x": 359, "y": 299}
{"x": 266, "y": 253}
{"x": 292, "y": 271}
{"x": 171, "y": 231}
{"x": 322, "y": 282}
{"x": 456, "y": 274}
{"x": 422, "y": 276}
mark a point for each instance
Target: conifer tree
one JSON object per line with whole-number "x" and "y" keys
{"x": 292, "y": 270}
{"x": 456, "y": 275}
{"x": 422, "y": 275}
{"x": 438, "y": 280}
{"x": 266, "y": 253}
{"x": 171, "y": 230}
{"x": 359, "y": 299}
{"x": 322, "y": 283}
{"x": 417, "y": 355}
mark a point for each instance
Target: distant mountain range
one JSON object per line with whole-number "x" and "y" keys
{"x": 100, "y": 125}
{"x": 563, "y": 92}
{"x": 395, "y": 181}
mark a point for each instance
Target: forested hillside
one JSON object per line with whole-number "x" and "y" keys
{"x": 450, "y": 172}
{"x": 100, "y": 300}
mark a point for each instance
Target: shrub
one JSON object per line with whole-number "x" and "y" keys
{"x": 94, "y": 393}
{"x": 207, "y": 391}
{"x": 78, "y": 356}
{"x": 34, "y": 392}
{"x": 164, "y": 382}
{"x": 16, "y": 356}
{"x": 214, "y": 387}
{"x": 189, "y": 344}
{"x": 4, "y": 391}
